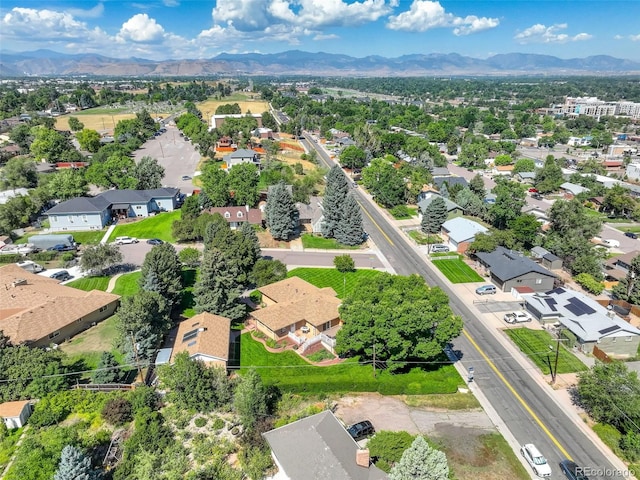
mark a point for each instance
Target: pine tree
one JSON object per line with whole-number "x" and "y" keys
{"x": 250, "y": 234}
{"x": 282, "y": 215}
{"x": 163, "y": 261}
{"x": 107, "y": 370}
{"x": 420, "y": 462}
{"x": 250, "y": 399}
{"x": 434, "y": 216}
{"x": 349, "y": 230}
{"x": 74, "y": 465}
{"x": 444, "y": 190}
{"x": 216, "y": 290}
{"x": 334, "y": 198}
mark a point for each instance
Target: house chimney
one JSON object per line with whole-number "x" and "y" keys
{"x": 19, "y": 281}
{"x": 362, "y": 457}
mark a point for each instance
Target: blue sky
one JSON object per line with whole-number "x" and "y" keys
{"x": 163, "y": 29}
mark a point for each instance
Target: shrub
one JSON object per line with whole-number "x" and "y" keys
{"x": 590, "y": 284}
{"x": 218, "y": 424}
{"x": 388, "y": 447}
{"x": 67, "y": 257}
{"x": 11, "y": 258}
{"x": 256, "y": 297}
{"x": 144, "y": 398}
{"x": 45, "y": 256}
{"x": 117, "y": 411}
{"x": 400, "y": 212}
{"x": 569, "y": 335}
{"x": 200, "y": 422}
{"x": 630, "y": 445}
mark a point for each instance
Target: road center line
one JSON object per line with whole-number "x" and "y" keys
{"x": 375, "y": 223}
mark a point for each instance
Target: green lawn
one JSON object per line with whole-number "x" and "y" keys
{"x": 536, "y": 345}
{"x": 312, "y": 241}
{"x": 90, "y": 283}
{"x": 423, "y": 239}
{"x": 158, "y": 226}
{"x": 457, "y": 271}
{"x": 127, "y": 284}
{"x": 291, "y": 373}
{"x": 84, "y": 238}
{"x": 87, "y": 346}
{"x": 330, "y": 277}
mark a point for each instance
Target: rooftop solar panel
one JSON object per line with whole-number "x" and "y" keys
{"x": 551, "y": 302}
{"x": 586, "y": 309}
{"x": 609, "y": 330}
{"x": 574, "y": 309}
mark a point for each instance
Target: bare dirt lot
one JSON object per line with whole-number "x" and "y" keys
{"x": 476, "y": 451}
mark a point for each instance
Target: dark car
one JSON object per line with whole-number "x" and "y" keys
{"x": 361, "y": 430}
{"x": 536, "y": 195}
{"x": 61, "y": 276}
{"x": 572, "y": 471}
{"x": 186, "y": 177}
{"x": 154, "y": 241}
{"x": 61, "y": 247}
{"x": 630, "y": 234}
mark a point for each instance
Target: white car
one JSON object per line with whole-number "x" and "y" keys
{"x": 517, "y": 317}
{"x": 125, "y": 240}
{"x": 535, "y": 459}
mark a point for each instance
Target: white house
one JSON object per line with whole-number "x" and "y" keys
{"x": 242, "y": 155}
{"x": 15, "y": 414}
{"x": 461, "y": 232}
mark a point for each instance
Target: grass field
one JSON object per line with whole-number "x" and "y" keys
{"x": 208, "y": 107}
{"x": 312, "y": 241}
{"x": 84, "y": 238}
{"x": 291, "y": 373}
{"x": 158, "y": 226}
{"x": 127, "y": 284}
{"x": 95, "y": 119}
{"x": 457, "y": 271}
{"x": 90, "y": 283}
{"x": 330, "y": 277}
{"x": 535, "y": 345}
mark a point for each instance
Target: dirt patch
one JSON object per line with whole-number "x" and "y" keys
{"x": 267, "y": 241}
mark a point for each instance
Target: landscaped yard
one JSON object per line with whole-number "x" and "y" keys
{"x": 343, "y": 284}
{"x": 536, "y": 345}
{"x": 158, "y": 226}
{"x": 87, "y": 346}
{"x": 90, "y": 283}
{"x": 127, "y": 284}
{"x": 291, "y": 373}
{"x": 84, "y": 238}
{"x": 422, "y": 239}
{"x": 456, "y": 270}
{"x": 312, "y": 241}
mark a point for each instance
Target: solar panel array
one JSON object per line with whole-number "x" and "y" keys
{"x": 578, "y": 307}
{"x": 609, "y": 330}
{"x": 551, "y": 302}
{"x": 190, "y": 335}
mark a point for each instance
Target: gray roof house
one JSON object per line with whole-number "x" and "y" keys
{"x": 311, "y": 214}
{"x": 425, "y": 199}
{"x": 573, "y": 189}
{"x": 450, "y": 181}
{"x": 242, "y": 155}
{"x": 461, "y": 232}
{"x": 440, "y": 172}
{"x": 590, "y": 322}
{"x": 547, "y": 259}
{"x": 509, "y": 269}
{"x": 525, "y": 177}
{"x": 319, "y": 447}
{"x": 94, "y": 213}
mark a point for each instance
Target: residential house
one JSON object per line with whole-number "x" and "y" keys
{"x": 490, "y": 198}
{"x": 633, "y": 171}
{"x": 204, "y": 337}
{"x": 425, "y": 199}
{"x": 460, "y": 232}
{"x": 617, "y": 268}
{"x": 440, "y": 172}
{"x": 37, "y": 311}
{"x": 614, "y": 167}
{"x": 94, "y": 213}
{"x": 591, "y": 323}
{"x": 572, "y": 189}
{"x": 236, "y": 216}
{"x": 297, "y": 310}
{"x": 508, "y": 269}
{"x": 502, "y": 170}
{"x": 319, "y": 447}
{"x": 450, "y": 180}
{"x": 311, "y": 215}
{"x": 15, "y": 414}
{"x": 242, "y": 155}
{"x": 225, "y": 144}
{"x": 263, "y": 133}
{"x": 579, "y": 141}
{"x": 525, "y": 177}
{"x": 6, "y": 195}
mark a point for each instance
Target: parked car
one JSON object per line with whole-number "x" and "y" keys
{"x": 630, "y": 234}
{"x": 61, "y": 247}
{"x": 609, "y": 242}
{"x": 533, "y": 190}
{"x": 535, "y": 459}
{"x": 62, "y": 276}
{"x": 154, "y": 241}
{"x": 125, "y": 240}
{"x": 517, "y": 317}
{"x": 486, "y": 290}
{"x": 572, "y": 471}
{"x": 186, "y": 177}
{"x": 361, "y": 430}
{"x": 439, "y": 248}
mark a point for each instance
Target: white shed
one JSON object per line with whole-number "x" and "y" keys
{"x": 15, "y": 414}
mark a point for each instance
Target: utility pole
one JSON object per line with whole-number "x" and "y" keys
{"x": 137, "y": 359}
{"x": 374, "y": 360}
{"x": 555, "y": 367}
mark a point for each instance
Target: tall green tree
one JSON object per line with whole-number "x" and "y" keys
{"x": 216, "y": 290}
{"x": 67, "y": 184}
{"x": 350, "y": 230}
{"x": 162, "y": 261}
{"x": 48, "y": 144}
{"x": 267, "y": 271}
{"x": 89, "y": 140}
{"x": 215, "y": 183}
{"x": 525, "y": 229}
{"x": 333, "y": 201}
{"x": 421, "y": 462}
{"x": 19, "y": 172}
{"x": 281, "y": 213}
{"x": 75, "y": 125}
{"x": 524, "y": 165}
{"x": 549, "y": 177}
{"x": 250, "y": 399}
{"x": 99, "y": 257}
{"x": 510, "y": 198}
{"x": 629, "y": 287}
{"x": 74, "y": 465}
{"x": 353, "y": 157}
{"x": 434, "y": 216}
{"x": 148, "y": 173}
{"x": 385, "y": 182}
{"x": 108, "y": 370}
{"x": 476, "y": 185}
{"x": 243, "y": 183}
{"x": 118, "y": 171}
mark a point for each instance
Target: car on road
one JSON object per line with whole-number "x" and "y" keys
{"x": 630, "y": 234}
{"x": 61, "y": 276}
{"x": 361, "y": 430}
{"x": 533, "y": 190}
{"x": 125, "y": 240}
{"x": 535, "y": 459}
{"x": 517, "y": 317}
{"x": 486, "y": 290}
{"x": 61, "y": 247}
{"x": 186, "y": 177}
{"x": 572, "y": 471}
{"x": 536, "y": 196}
{"x": 154, "y": 241}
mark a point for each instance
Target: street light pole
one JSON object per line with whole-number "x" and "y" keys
{"x": 555, "y": 366}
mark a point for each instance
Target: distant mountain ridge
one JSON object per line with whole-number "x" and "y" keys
{"x": 296, "y": 62}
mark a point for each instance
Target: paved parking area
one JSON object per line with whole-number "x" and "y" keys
{"x": 491, "y": 306}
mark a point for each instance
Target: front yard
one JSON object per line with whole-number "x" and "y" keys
{"x": 343, "y": 284}
{"x": 456, "y": 270}
{"x": 313, "y": 241}
{"x": 158, "y": 226}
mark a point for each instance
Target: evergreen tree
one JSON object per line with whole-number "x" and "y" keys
{"x": 421, "y": 462}
{"x": 249, "y": 234}
{"x": 107, "y": 370}
{"x": 74, "y": 465}
{"x": 250, "y": 399}
{"x": 434, "y": 216}
{"x": 216, "y": 290}
{"x": 334, "y": 197}
{"x": 282, "y": 215}
{"x": 349, "y": 230}
{"x": 476, "y": 184}
{"x": 163, "y": 261}
{"x": 444, "y": 190}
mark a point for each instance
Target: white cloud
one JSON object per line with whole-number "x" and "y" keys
{"x": 424, "y": 15}
{"x": 95, "y": 12}
{"x": 540, "y": 33}
{"x": 41, "y": 24}
{"x": 634, "y": 38}
{"x": 170, "y": 3}
{"x": 141, "y": 28}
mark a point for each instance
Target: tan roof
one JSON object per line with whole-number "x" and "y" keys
{"x": 204, "y": 334}
{"x": 12, "y": 409}
{"x": 33, "y": 306}
{"x": 292, "y": 288}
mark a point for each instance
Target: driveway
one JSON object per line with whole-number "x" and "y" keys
{"x": 178, "y": 157}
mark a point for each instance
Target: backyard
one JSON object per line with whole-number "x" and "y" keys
{"x": 158, "y": 226}
{"x": 456, "y": 270}
{"x": 87, "y": 346}
{"x": 90, "y": 283}
{"x": 343, "y": 284}
{"x": 540, "y": 347}
{"x": 83, "y": 238}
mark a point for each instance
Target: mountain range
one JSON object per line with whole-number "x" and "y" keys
{"x": 296, "y": 62}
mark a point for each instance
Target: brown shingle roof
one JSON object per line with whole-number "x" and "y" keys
{"x": 12, "y": 409}
{"x": 252, "y": 215}
{"x": 204, "y": 334}
{"x": 290, "y": 288}
{"x": 33, "y": 306}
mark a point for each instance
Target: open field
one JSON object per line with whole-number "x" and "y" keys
{"x": 99, "y": 121}
{"x": 457, "y": 271}
{"x": 535, "y": 345}
{"x": 208, "y": 107}
{"x": 158, "y": 226}
{"x": 292, "y": 374}
{"x": 343, "y": 284}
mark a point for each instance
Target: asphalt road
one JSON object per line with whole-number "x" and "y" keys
{"x": 517, "y": 398}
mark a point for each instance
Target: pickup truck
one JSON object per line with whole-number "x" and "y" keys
{"x": 517, "y": 317}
